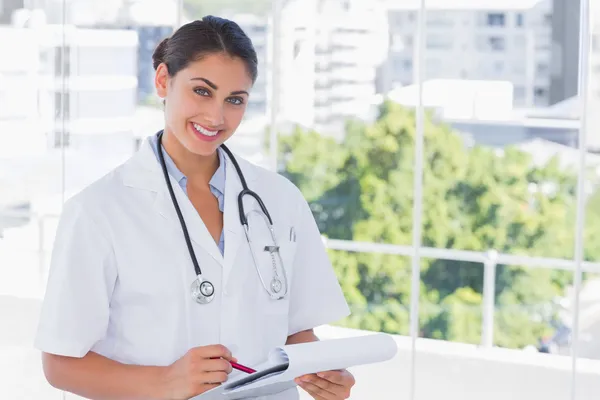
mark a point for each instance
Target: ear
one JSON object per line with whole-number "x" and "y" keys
{"x": 161, "y": 80}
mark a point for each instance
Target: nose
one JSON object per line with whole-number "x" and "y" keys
{"x": 213, "y": 114}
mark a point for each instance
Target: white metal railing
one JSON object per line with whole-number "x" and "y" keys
{"x": 489, "y": 260}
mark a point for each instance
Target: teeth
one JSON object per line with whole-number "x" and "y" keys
{"x": 205, "y": 131}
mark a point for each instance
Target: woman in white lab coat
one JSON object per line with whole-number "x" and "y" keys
{"x": 124, "y": 315}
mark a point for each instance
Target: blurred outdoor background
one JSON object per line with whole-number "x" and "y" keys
{"x": 450, "y": 151}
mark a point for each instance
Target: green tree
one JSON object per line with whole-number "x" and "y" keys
{"x": 473, "y": 199}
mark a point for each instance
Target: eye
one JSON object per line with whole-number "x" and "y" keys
{"x": 236, "y": 100}
{"x": 202, "y": 92}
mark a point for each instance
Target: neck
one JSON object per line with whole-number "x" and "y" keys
{"x": 195, "y": 167}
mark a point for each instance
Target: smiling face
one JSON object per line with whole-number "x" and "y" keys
{"x": 204, "y": 102}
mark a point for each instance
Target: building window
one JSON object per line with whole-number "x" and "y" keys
{"x": 401, "y": 42}
{"x": 62, "y": 61}
{"x": 62, "y": 105}
{"x": 540, "y": 92}
{"x": 520, "y": 19}
{"x": 495, "y": 19}
{"x": 497, "y": 43}
{"x": 61, "y": 140}
{"x": 542, "y": 69}
{"x": 438, "y": 42}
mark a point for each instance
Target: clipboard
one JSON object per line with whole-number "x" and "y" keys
{"x": 283, "y": 364}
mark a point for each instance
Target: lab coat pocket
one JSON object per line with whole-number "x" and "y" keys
{"x": 288, "y": 255}
{"x": 275, "y": 313}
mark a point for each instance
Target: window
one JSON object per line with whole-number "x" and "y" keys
{"x": 497, "y": 43}
{"x": 400, "y": 42}
{"x": 438, "y": 42}
{"x": 540, "y": 92}
{"x": 62, "y": 61}
{"x": 495, "y": 19}
{"x": 62, "y": 105}
{"x": 487, "y": 198}
{"x": 520, "y": 19}
{"x": 61, "y": 140}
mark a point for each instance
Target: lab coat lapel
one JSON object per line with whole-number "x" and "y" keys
{"x": 197, "y": 230}
{"x": 233, "y": 229}
{"x": 145, "y": 172}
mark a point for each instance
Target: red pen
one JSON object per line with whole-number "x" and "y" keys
{"x": 239, "y": 367}
{"x": 242, "y": 368}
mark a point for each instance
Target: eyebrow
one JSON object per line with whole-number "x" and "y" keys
{"x": 215, "y": 87}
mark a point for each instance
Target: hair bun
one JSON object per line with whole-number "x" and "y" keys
{"x": 158, "y": 57}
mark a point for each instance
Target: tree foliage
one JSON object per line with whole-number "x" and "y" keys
{"x": 474, "y": 198}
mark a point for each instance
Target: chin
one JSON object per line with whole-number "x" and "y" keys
{"x": 203, "y": 150}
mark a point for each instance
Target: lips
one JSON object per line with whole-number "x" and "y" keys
{"x": 204, "y": 131}
{"x": 205, "y": 134}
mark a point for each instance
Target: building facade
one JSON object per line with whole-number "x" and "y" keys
{"x": 474, "y": 40}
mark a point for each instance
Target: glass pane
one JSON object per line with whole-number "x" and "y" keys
{"x": 109, "y": 103}
{"x": 529, "y": 334}
{"x": 351, "y": 155}
{"x": 499, "y": 186}
{"x": 250, "y": 140}
{"x": 77, "y": 89}
{"x": 451, "y": 300}
{"x": 30, "y": 178}
{"x": 588, "y": 341}
{"x": 377, "y": 305}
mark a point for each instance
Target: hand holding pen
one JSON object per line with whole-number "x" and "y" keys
{"x": 199, "y": 370}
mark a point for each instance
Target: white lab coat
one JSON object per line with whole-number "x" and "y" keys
{"x": 120, "y": 274}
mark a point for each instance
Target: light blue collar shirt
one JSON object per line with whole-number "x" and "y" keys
{"x": 217, "y": 182}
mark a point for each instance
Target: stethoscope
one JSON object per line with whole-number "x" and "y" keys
{"x": 203, "y": 291}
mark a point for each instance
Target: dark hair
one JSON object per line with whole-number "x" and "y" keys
{"x": 209, "y": 35}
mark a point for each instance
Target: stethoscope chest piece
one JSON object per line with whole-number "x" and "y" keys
{"x": 276, "y": 285}
{"x": 203, "y": 291}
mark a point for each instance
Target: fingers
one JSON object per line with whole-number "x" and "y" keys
{"x": 215, "y": 365}
{"x": 214, "y": 351}
{"x": 317, "y": 392}
{"x": 331, "y": 385}
{"x": 317, "y": 387}
{"x": 343, "y": 378}
{"x": 215, "y": 378}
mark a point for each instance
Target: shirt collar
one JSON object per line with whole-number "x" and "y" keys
{"x": 217, "y": 182}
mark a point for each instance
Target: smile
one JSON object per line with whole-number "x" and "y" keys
{"x": 202, "y": 130}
